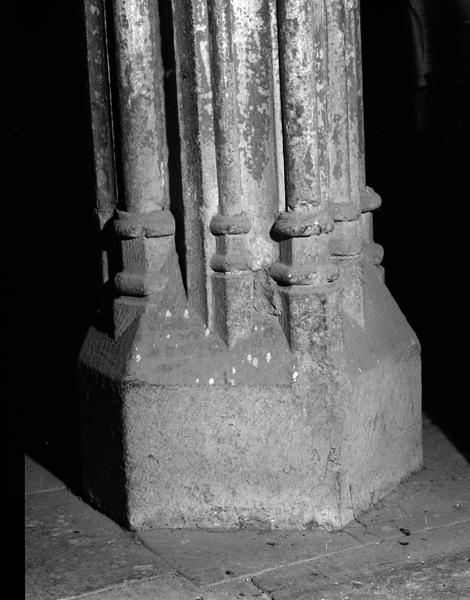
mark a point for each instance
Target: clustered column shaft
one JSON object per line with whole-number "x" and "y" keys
{"x": 231, "y": 280}
{"x": 144, "y": 226}
{"x": 304, "y": 228}
{"x": 140, "y": 114}
{"x": 100, "y": 112}
{"x": 345, "y": 150}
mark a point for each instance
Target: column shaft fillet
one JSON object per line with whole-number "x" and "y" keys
{"x": 140, "y": 106}
{"x": 101, "y": 126}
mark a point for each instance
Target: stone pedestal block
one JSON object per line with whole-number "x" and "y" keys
{"x": 181, "y": 432}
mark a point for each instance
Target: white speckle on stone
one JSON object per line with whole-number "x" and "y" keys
{"x": 231, "y": 381}
{"x": 168, "y": 314}
{"x": 255, "y": 362}
{"x": 295, "y": 374}
{"x": 168, "y": 336}
{"x": 138, "y": 358}
{"x": 256, "y": 327}
{"x": 211, "y": 381}
{"x": 176, "y": 345}
{"x": 186, "y": 313}
{"x": 360, "y": 370}
{"x": 262, "y": 251}
{"x": 268, "y": 357}
{"x": 234, "y": 370}
{"x": 197, "y": 380}
{"x": 248, "y": 358}
{"x": 206, "y": 332}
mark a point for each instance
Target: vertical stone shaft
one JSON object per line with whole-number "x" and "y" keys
{"x": 145, "y": 229}
{"x": 232, "y": 281}
{"x": 224, "y": 89}
{"x": 302, "y": 51}
{"x": 303, "y": 229}
{"x": 344, "y": 92}
{"x": 100, "y": 113}
{"x": 368, "y": 199}
{"x": 140, "y": 118}
{"x": 299, "y": 96}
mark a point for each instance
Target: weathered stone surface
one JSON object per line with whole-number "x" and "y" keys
{"x": 216, "y": 438}
{"x": 412, "y": 541}
{"x": 272, "y": 379}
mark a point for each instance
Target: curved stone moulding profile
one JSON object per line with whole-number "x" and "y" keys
{"x": 373, "y": 253}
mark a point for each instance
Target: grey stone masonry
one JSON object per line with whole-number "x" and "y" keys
{"x": 263, "y": 376}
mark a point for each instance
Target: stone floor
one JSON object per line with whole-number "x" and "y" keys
{"x": 415, "y": 545}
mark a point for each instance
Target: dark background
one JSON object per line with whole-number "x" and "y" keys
{"x": 417, "y": 160}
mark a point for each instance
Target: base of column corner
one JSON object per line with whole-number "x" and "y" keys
{"x": 237, "y": 426}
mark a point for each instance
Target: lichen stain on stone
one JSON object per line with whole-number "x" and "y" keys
{"x": 255, "y": 96}
{"x": 309, "y": 166}
{"x": 340, "y": 15}
{"x": 337, "y": 170}
{"x": 262, "y": 252}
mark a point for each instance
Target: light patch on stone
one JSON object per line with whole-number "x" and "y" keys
{"x": 295, "y": 374}
{"x": 255, "y": 362}
{"x": 168, "y": 336}
{"x": 261, "y": 251}
{"x": 138, "y": 358}
{"x": 234, "y": 370}
{"x": 168, "y": 314}
{"x": 231, "y": 381}
{"x": 206, "y": 332}
{"x": 186, "y": 313}
{"x": 249, "y": 358}
{"x": 197, "y": 380}
{"x": 268, "y": 357}
{"x": 162, "y": 171}
{"x": 256, "y": 327}
{"x": 211, "y": 381}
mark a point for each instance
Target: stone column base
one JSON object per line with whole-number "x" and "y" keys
{"x": 178, "y": 431}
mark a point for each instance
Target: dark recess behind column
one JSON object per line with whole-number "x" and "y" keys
{"x": 52, "y": 214}
{"x": 421, "y": 176}
{"x": 172, "y": 130}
